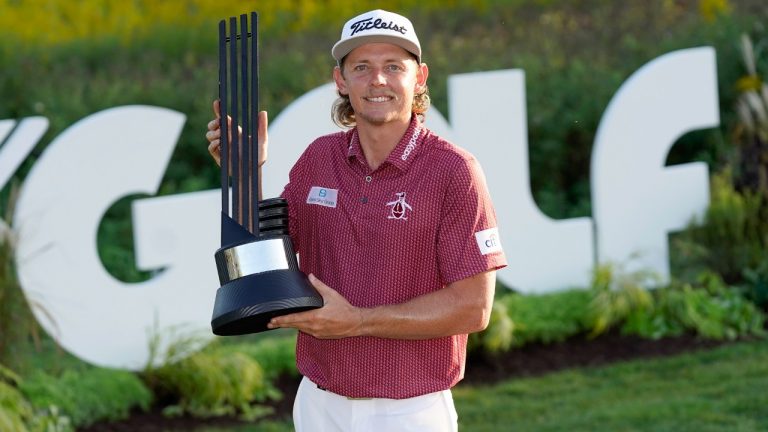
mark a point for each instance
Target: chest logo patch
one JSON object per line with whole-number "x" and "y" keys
{"x": 398, "y": 208}
{"x": 323, "y": 196}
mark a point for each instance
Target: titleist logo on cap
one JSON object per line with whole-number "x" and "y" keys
{"x": 378, "y": 26}
{"x": 378, "y": 23}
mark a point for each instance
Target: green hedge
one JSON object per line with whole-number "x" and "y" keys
{"x": 88, "y": 395}
{"x": 232, "y": 379}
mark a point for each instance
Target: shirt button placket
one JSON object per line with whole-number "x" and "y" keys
{"x": 364, "y": 198}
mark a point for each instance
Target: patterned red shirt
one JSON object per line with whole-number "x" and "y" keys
{"x": 421, "y": 220}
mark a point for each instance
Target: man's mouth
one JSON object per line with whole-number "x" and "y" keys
{"x": 378, "y": 98}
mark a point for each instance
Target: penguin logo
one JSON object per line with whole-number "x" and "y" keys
{"x": 398, "y": 207}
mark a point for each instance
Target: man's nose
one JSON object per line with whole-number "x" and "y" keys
{"x": 378, "y": 78}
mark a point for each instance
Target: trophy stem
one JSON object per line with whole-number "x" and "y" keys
{"x": 236, "y": 135}
{"x": 246, "y": 136}
{"x": 255, "y": 120}
{"x": 224, "y": 127}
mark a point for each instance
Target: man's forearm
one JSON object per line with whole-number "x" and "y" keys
{"x": 460, "y": 308}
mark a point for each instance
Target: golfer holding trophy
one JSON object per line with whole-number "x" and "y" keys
{"x": 395, "y": 229}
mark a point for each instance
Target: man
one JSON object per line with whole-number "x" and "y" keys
{"x": 403, "y": 245}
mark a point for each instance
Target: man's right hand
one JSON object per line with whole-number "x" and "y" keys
{"x": 214, "y": 134}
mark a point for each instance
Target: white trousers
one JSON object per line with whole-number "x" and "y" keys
{"x": 316, "y": 410}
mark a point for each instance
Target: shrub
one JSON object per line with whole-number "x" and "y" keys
{"x": 617, "y": 294}
{"x": 89, "y": 395}
{"x": 17, "y": 324}
{"x": 547, "y": 318}
{"x": 710, "y": 308}
{"x": 755, "y": 286}
{"x": 707, "y": 307}
{"x": 518, "y": 320}
{"x": 18, "y": 415}
{"x": 275, "y": 354}
{"x": 15, "y": 411}
{"x": 212, "y": 382}
{"x": 731, "y": 239}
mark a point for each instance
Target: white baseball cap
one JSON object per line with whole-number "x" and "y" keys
{"x": 377, "y": 26}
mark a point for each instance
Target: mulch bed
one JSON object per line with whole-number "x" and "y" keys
{"x": 580, "y": 351}
{"x": 530, "y": 360}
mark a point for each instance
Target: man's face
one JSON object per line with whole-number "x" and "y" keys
{"x": 381, "y": 80}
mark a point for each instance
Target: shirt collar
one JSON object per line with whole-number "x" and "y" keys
{"x": 404, "y": 152}
{"x": 354, "y": 150}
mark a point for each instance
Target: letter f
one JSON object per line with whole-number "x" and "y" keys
{"x": 637, "y": 200}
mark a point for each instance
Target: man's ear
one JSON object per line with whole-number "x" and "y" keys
{"x": 422, "y": 73}
{"x": 341, "y": 83}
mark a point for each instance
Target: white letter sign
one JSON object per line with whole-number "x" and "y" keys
{"x": 636, "y": 200}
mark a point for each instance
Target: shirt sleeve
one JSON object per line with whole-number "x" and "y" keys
{"x": 291, "y": 193}
{"x": 468, "y": 238}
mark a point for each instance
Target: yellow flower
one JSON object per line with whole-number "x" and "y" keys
{"x": 749, "y": 83}
{"x": 711, "y": 9}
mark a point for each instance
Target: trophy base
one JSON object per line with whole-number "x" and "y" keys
{"x": 246, "y": 305}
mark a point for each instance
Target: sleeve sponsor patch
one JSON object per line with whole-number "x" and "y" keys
{"x": 488, "y": 241}
{"x": 323, "y": 196}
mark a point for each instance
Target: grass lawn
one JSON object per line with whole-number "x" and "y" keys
{"x": 724, "y": 389}
{"x": 719, "y": 390}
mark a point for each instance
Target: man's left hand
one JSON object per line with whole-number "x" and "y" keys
{"x": 336, "y": 319}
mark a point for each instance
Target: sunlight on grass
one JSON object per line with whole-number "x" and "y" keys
{"x": 718, "y": 390}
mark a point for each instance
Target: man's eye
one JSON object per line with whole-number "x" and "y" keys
{"x": 360, "y": 67}
{"x": 394, "y": 68}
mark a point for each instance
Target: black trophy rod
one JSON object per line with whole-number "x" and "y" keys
{"x": 245, "y": 160}
{"x": 236, "y": 136}
{"x": 223, "y": 127}
{"x": 255, "y": 122}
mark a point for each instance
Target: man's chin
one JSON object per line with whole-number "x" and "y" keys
{"x": 379, "y": 120}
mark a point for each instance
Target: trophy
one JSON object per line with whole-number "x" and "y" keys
{"x": 258, "y": 270}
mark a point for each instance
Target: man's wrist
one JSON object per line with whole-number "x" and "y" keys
{"x": 364, "y": 314}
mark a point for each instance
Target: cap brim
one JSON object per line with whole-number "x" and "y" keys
{"x": 342, "y": 48}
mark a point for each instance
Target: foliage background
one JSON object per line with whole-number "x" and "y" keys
{"x": 66, "y": 60}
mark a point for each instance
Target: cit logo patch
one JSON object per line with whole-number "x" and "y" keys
{"x": 488, "y": 241}
{"x": 399, "y": 207}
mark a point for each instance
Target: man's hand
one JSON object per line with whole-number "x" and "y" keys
{"x": 214, "y": 134}
{"x": 336, "y": 319}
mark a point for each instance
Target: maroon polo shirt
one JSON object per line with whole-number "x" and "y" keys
{"x": 421, "y": 220}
